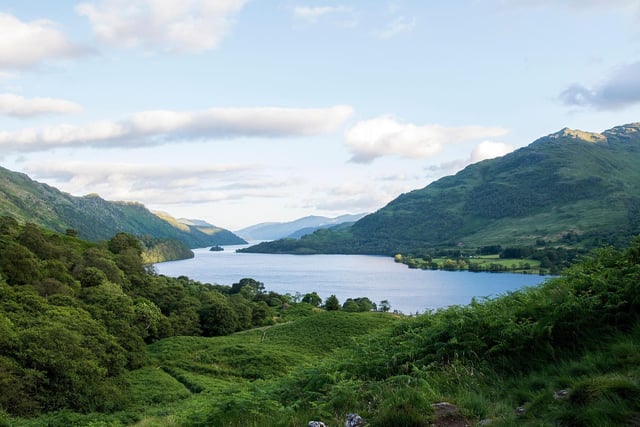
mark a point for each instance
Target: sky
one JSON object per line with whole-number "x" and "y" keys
{"x": 239, "y": 112}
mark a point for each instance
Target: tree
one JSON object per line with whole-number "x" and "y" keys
{"x": 312, "y": 298}
{"x": 384, "y": 306}
{"x": 261, "y": 314}
{"x": 19, "y": 265}
{"x": 365, "y": 304}
{"x": 332, "y": 303}
{"x": 123, "y": 241}
{"x": 217, "y": 317}
{"x": 248, "y": 287}
{"x": 351, "y": 306}
{"x": 92, "y": 276}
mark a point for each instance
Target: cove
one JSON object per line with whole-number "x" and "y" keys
{"x": 379, "y": 278}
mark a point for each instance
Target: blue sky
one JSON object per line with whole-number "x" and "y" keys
{"x": 245, "y": 111}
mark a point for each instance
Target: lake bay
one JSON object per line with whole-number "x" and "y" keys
{"x": 347, "y": 276}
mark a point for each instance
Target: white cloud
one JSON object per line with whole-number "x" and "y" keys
{"x": 341, "y": 16}
{"x": 172, "y": 25}
{"x": 620, "y": 90}
{"x": 156, "y": 184}
{"x": 312, "y": 13}
{"x": 384, "y": 136}
{"x": 18, "y": 106}
{"x": 158, "y": 127}
{"x": 26, "y": 44}
{"x": 399, "y": 25}
{"x": 490, "y": 150}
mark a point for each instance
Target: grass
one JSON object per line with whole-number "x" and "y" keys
{"x": 220, "y": 378}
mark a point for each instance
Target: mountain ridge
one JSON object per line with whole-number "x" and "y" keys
{"x": 566, "y": 182}
{"x": 294, "y": 229}
{"x": 92, "y": 217}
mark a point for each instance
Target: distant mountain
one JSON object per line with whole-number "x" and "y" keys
{"x": 94, "y": 218}
{"x": 293, "y": 229}
{"x": 568, "y": 188}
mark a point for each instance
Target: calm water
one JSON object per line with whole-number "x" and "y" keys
{"x": 347, "y": 276}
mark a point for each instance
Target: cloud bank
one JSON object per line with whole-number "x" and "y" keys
{"x": 385, "y": 136}
{"x": 27, "y": 44}
{"x": 620, "y": 90}
{"x": 159, "y": 127}
{"x": 18, "y": 106}
{"x": 170, "y": 25}
{"x": 158, "y": 184}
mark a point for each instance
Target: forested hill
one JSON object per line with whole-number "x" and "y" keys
{"x": 568, "y": 187}
{"x": 94, "y": 218}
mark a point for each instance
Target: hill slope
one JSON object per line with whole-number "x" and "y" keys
{"x": 580, "y": 184}
{"x": 93, "y": 217}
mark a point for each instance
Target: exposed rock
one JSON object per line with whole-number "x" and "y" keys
{"x": 520, "y": 410}
{"x": 354, "y": 420}
{"x": 560, "y": 394}
{"x": 448, "y": 415}
{"x": 578, "y": 134}
{"x": 316, "y": 424}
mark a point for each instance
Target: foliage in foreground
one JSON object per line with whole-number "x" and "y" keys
{"x": 562, "y": 353}
{"x": 75, "y": 317}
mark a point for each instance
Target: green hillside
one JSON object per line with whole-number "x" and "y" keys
{"x": 89, "y": 337}
{"x": 94, "y": 218}
{"x": 568, "y": 187}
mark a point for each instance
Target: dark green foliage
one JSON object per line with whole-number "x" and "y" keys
{"x": 332, "y": 303}
{"x": 358, "y": 304}
{"x": 312, "y": 298}
{"x": 75, "y": 316}
{"x": 216, "y": 316}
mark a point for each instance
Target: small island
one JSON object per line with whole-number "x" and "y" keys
{"x": 216, "y": 248}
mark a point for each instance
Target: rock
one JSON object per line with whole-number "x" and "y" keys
{"x": 316, "y": 424}
{"x": 520, "y": 410}
{"x": 448, "y": 415}
{"x": 354, "y": 420}
{"x": 560, "y": 394}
